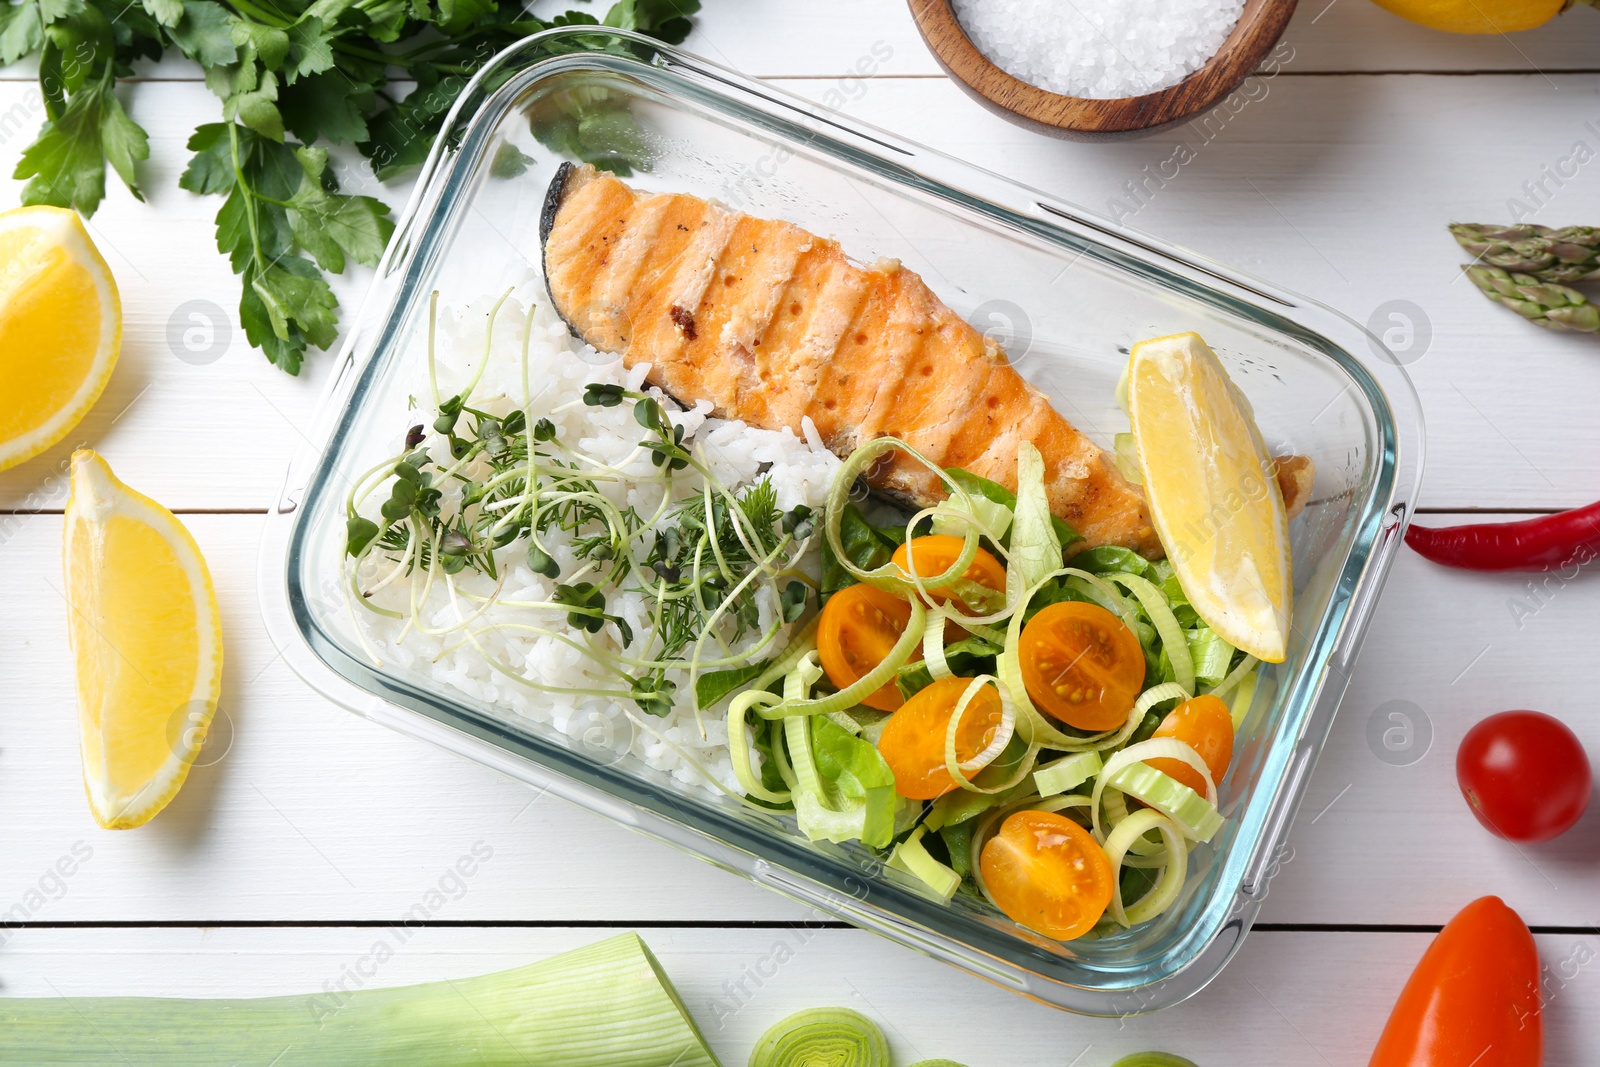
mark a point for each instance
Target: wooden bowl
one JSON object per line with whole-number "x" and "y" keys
{"x": 1082, "y": 118}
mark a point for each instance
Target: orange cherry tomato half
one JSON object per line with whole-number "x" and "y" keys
{"x": 1047, "y": 873}
{"x": 1082, "y": 665}
{"x": 1206, "y": 725}
{"x": 912, "y": 742}
{"x": 934, "y": 554}
{"x": 858, "y": 627}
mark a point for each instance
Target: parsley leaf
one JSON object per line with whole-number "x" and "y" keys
{"x": 331, "y": 225}
{"x": 21, "y": 30}
{"x": 289, "y": 76}
{"x": 165, "y": 12}
{"x": 310, "y": 48}
{"x": 667, "y": 20}
{"x": 285, "y": 307}
{"x": 205, "y": 33}
{"x": 67, "y": 163}
{"x": 211, "y": 169}
{"x": 325, "y": 107}
{"x": 123, "y": 140}
{"x": 269, "y": 44}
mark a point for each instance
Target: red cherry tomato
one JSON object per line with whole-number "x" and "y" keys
{"x": 1524, "y": 775}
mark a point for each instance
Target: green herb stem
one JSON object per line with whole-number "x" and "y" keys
{"x": 249, "y": 198}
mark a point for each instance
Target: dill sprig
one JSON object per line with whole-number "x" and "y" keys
{"x": 701, "y": 564}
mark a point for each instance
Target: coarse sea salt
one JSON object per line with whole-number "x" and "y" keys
{"x": 1102, "y": 49}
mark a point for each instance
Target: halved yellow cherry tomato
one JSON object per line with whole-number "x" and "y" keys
{"x": 934, "y": 554}
{"x": 1206, "y": 725}
{"x": 1082, "y": 665}
{"x": 912, "y": 741}
{"x": 1047, "y": 873}
{"x": 858, "y": 627}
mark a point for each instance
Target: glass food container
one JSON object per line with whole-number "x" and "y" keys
{"x": 1065, "y": 291}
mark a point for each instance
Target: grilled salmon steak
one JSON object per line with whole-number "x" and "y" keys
{"x": 770, "y": 323}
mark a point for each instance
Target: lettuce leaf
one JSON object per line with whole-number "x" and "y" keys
{"x": 858, "y": 773}
{"x": 846, "y": 790}
{"x": 992, "y": 515}
{"x": 1035, "y": 548}
{"x": 999, "y": 494}
{"x": 967, "y": 658}
{"x": 962, "y": 804}
{"x": 1110, "y": 559}
{"x": 771, "y": 777}
{"x": 1212, "y": 655}
{"x": 864, "y": 544}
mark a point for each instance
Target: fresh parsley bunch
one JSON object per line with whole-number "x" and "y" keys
{"x": 292, "y": 75}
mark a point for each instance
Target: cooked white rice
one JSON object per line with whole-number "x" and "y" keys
{"x": 559, "y": 367}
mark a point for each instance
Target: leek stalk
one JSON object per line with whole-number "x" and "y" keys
{"x": 607, "y": 1005}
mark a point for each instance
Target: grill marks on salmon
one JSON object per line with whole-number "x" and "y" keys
{"x": 771, "y": 324}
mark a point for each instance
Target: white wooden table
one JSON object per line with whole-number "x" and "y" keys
{"x": 282, "y": 863}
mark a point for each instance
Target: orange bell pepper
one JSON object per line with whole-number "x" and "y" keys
{"x": 1473, "y": 999}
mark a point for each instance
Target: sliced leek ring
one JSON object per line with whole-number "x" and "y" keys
{"x": 1194, "y": 816}
{"x": 1066, "y": 773}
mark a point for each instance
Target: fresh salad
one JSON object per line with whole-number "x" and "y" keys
{"x": 1047, "y": 734}
{"x": 965, "y": 688}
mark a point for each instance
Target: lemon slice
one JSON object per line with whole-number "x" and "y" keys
{"x": 1213, "y": 492}
{"x": 146, "y": 638}
{"x": 60, "y": 328}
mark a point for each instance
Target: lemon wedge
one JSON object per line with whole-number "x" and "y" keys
{"x": 60, "y": 328}
{"x": 147, "y": 641}
{"x": 1213, "y": 492}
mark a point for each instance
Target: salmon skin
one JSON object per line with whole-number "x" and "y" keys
{"x": 770, "y": 324}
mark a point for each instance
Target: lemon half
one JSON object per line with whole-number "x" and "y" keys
{"x": 60, "y": 328}
{"x": 1477, "y": 16}
{"x": 1213, "y": 492}
{"x": 147, "y": 642}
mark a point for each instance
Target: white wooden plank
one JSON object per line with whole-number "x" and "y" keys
{"x": 825, "y": 39}
{"x": 1287, "y": 998}
{"x": 828, "y": 38}
{"x": 1354, "y": 35}
{"x": 193, "y": 415}
{"x": 1384, "y": 828}
{"x": 315, "y": 814}
{"x": 308, "y": 811}
{"x": 1339, "y": 187}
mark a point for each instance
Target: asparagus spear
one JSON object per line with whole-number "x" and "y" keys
{"x": 1547, "y": 304}
{"x": 1570, "y": 254}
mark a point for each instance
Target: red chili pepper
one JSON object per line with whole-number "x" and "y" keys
{"x": 1567, "y": 539}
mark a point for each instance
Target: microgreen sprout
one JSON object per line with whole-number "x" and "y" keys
{"x": 602, "y": 394}
{"x": 483, "y": 482}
